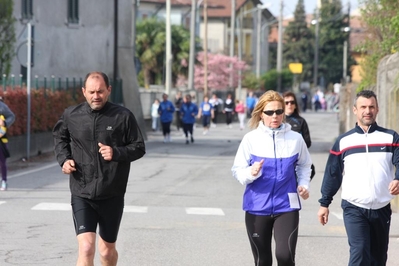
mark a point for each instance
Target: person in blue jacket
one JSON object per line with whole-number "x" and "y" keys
{"x": 166, "y": 110}
{"x": 274, "y": 164}
{"x": 188, "y": 111}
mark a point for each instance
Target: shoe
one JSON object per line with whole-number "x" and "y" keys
{"x": 165, "y": 140}
{"x": 187, "y": 142}
{"x": 205, "y": 132}
{"x": 192, "y": 139}
{"x": 3, "y": 185}
{"x": 230, "y": 126}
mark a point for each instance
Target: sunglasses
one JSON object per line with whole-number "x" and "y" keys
{"x": 271, "y": 112}
{"x": 289, "y": 102}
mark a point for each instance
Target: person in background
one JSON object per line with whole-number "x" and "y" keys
{"x": 364, "y": 164}
{"x": 216, "y": 103}
{"x": 189, "y": 111}
{"x": 206, "y": 112}
{"x": 228, "y": 110}
{"x": 97, "y": 157}
{"x": 155, "y": 115}
{"x": 240, "y": 109}
{"x": 297, "y": 122}
{"x": 166, "y": 110}
{"x": 250, "y": 103}
{"x": 7, "y": 119}
{"x": 273, "y": 163}
{"x": 178, "y": 103}
{"x": 304, "y": 98}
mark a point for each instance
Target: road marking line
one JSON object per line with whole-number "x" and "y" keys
{"x": 339, "y": 215}
{"x": 1, "y": 202}
{"x": 205, "y": 211}
{"x": 33, "y": 171}
{"x": 136, "y": 209}
{"x": 47, "y": 206}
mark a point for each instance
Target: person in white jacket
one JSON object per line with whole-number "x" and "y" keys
{"x": 274, "y": 164}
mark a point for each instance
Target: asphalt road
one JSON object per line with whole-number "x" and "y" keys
{"x": 183, "y": 207}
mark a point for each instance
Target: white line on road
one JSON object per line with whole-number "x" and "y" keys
{"x": 33, "y": 171}
{"x": 338, "y": 215}
{"x": 205, "y": 211}
{"x": 1, "y": 202}
{"x": 48, "y": 206}
{"x": 136, "y": 209}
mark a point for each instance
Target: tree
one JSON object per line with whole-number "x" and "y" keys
{"x": 7, "y": 36}
{"x": 331, "y": 41}
{"x": 150, "y": 49}
{"x": 381, "y": 19}
{"x": 299, "y": 43}
{"x": 218, "y": 71}
{"x": 270, "y": 79}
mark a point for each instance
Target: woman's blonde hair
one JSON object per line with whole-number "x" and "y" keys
{"x": 267, "y": 97}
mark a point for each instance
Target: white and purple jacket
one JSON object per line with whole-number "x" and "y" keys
{"x": 286, "y": 165}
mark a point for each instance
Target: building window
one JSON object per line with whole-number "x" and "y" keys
{"x": 26, "y": 9}
{"x": 73, "y": 11}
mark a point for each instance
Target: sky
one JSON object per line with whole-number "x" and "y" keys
{"x": 310, "y": 5}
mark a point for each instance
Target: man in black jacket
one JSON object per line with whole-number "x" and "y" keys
{"x": 95, "y": 142}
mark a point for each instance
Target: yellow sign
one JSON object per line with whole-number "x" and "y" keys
{"x": 295, "y": 68}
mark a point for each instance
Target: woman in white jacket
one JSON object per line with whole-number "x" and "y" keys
{"x": 274, "y": 164}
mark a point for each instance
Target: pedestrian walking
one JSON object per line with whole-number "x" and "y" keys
{"x": 95, "y": 143}
{"x": 178, "y": 103}
{"x": 240, "y": 109}
{"x": 228, "y": 110}
{"x": 274, "y": 164}
{"x": 297, "y": 122}
{"x": 155, "y": 115}
{"x": 7, "y": 118}
{"x": 189, "y": 111}
{"x": 166, "y": 110}
{"x": 217, "y": 105}
{"x": 364, "y": 163}
{"x": 250, "y": 103}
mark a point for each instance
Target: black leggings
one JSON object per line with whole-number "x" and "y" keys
{"x": 260, "y": 230}
{"x": 166, "y": 128}
{"x": 188, "y": 128}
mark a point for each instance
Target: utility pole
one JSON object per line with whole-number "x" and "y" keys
{"x": 192, "y": 46}
{"x": 28, "y": 87}
{"x": 258, "y": 37}
{"x": 239, "y": 28}
{"x": 232, "y": 35}
{"x": 206, "y": 47}
{"x": 316, "y": 49}
{"x": 280, "y": 47}
{"x": 168, "y": 79}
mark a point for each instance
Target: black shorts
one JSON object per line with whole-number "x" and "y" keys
{"x": 106, "y": 213}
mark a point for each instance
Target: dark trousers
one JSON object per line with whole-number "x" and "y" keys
{"x": 260, "y": 229}
{"x": 166, "y": 128}
{"x": 368, "y": 234}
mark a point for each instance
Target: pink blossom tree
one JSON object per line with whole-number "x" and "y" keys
{"x": 218, "y": 72}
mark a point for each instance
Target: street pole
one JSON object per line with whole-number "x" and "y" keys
{"x": 206, "y": 47}
{"x": 280, "y": 47}
{"x": 28, "y": 85}
{"x": 239, "y": 26}
{"x": 316, "y": 49}
{"x": 345, "y": 62}
{"x": 232, "y": 35}
{"x": 192, "y": 46}
{"x": 258, "y": 37}
{"x": 168, "y": 79}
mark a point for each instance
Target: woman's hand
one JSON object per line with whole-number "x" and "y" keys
{"x": 303, "y": 192}
{"x": 256, "y": 168}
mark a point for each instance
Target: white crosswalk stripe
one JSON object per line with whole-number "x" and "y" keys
{"x": 205, "y": 211}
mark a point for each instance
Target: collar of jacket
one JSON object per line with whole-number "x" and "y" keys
{"x": 373, "y": 127}
{"x": 102, "y": 110}
{"x": 284, "y": 127}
